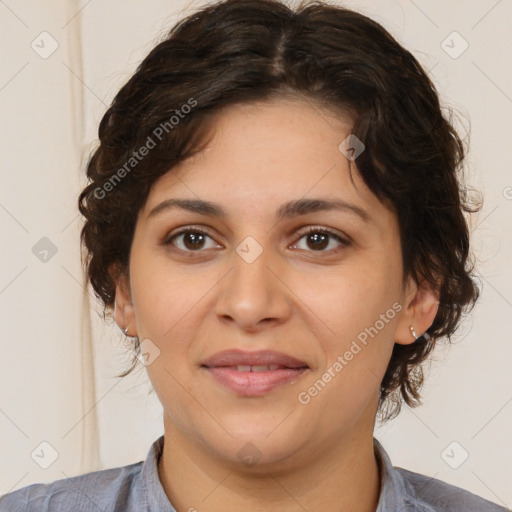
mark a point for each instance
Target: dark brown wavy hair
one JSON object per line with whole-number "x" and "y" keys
{"x": 240, "y": 51}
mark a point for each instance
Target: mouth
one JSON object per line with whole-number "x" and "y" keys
{"x": 253, "y": 373}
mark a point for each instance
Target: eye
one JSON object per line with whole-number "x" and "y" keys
{"x": 193, "y": 239}
{"x": 319, "y": 238}
{"x": 190, "y": 240}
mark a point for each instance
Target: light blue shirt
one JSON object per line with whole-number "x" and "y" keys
{"x": 137, "y": 488}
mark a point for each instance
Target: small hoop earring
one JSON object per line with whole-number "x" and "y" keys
{"x": 125, "y": 331}
{"x": 413, "y": 332}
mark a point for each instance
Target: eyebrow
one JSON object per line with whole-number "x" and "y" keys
{"x": 288, "y": 210}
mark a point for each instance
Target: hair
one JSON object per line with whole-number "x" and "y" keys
{"x": 242, "y": 51}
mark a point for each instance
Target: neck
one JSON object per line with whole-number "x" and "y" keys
{"x": 344, "y": 478}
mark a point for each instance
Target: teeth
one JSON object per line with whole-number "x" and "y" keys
{"x": 257, "y": 368}
{"x": 261, "y": 368}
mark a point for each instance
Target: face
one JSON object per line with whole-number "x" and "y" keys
{"x": 269, "y": 323}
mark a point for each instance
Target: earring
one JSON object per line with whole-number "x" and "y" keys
{"x": 413, "y": 332}
{"x": 125, "y": 331}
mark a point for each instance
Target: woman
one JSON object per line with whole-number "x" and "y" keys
{"x": 275, "y": 218}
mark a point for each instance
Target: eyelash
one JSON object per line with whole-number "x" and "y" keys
{"x": 312, "y": 229}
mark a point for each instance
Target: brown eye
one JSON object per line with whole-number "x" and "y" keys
{"x": 318, "y": 239}
{"x": 190, "y": 240}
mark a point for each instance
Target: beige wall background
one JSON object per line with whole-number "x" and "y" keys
{"x": 62, "y": 411}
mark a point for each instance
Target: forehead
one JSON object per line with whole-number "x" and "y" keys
{"x": 262, "y": 155}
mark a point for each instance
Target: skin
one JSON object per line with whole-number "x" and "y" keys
{"x": 307, "y": 302}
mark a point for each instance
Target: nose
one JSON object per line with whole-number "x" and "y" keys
{"x": 254, "y": 295}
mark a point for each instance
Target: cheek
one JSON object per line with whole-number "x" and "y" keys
{"x": 171, "y": 309}
{"x": 176, "y": 393}
{"x": 356, "y": 303}
{"x": 359, "y": 311}
{"x": 163, "y": 295}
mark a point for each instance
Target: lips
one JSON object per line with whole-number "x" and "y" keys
{"x": 259, "y": 358}
{"x": 253, "y": 373}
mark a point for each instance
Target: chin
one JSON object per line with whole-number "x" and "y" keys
{"x": 258, "y": 445}
{"x": 260, "y": 455}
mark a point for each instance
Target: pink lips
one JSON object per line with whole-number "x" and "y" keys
{"x": 253, "y": 373}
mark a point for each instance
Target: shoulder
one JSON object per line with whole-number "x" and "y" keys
{"x": 100, "y": 490}
{"x": 442, "y": 496}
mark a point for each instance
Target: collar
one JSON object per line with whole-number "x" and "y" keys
{"x": 396, "y": 493}
{"x": 157, "y": 500}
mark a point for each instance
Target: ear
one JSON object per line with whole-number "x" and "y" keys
{"x": 420, "y": 309}
{"x": 124, "y": 312}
